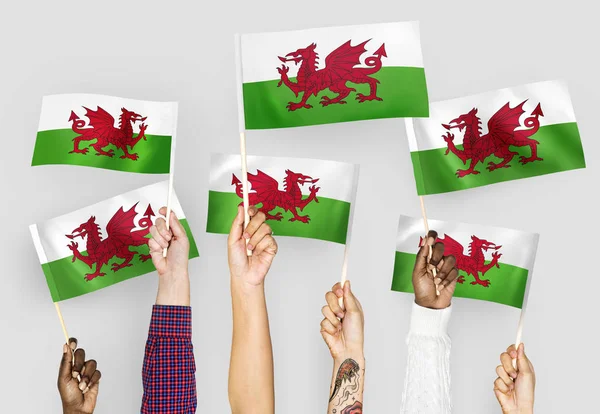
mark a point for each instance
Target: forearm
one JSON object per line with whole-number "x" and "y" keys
{"x": 169, "y": 371}
{"x": 347, "y": 384}
{"x": 427, "y": 382}
{"x": 251, "y": 384}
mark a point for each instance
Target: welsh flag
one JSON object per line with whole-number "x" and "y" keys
{"x": 333, "y": 74}
{"x": 106, "y": 132}
{"x": 300, "y": 197}
{"x": 103, "y": 244}
{"x": 494, "y": 264}
{"x": 495, "y": 136}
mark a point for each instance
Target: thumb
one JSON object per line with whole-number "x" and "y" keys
{"x": 523, "y": 364}
{"x": 350, "y": 302}
{"x": 64, "y": 373}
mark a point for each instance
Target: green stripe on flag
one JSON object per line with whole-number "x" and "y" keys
{"x": 403, "y": 90}
{"x": 53, "y": 147}
{"x": 328, "y": 218}
{"x": 507, "y": 283}
{"x": 66, "y": 279}
{"x": 559, "y": 146}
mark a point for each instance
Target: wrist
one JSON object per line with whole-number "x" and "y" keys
{"x": 240, "y": 286}
{"x": 173, "y": 289}
{"x": 357, "y": 355}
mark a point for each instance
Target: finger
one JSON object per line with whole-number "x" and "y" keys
{"x": 330, "y": 316}
{"x": 447, "y": 279}
{"x": 64, "y": 372}
{"x": 506, "y": 361}
{"x": 161, "y": 225}
{"x": 420, "y": 268}
{"x": 268, "y": 245}
{"x": 157, "y": 236}
{"x": 237, "y": 227}
{"x": 512, "y": 351}
{"x": 334, "y": 304}
{"x": 501, "y": 386}
{"x": 328, "y": 327}
{"x": 262, "y": 231}
{"x": 438, "y": 253}
{"x": 175, "y": 225}
{"x": 351, "y": 304}
{"x": 87, "y": 372}
{"x": 73, "y": 344}
{"x": 154, "y": 246}
{"x": 93, "y": 385}
{"x": 255, "y": 222}
{"x": 337, "y": 289}
{"x": 504, "y": 376}
{"x": 524, "y": 365}
{"x": 78, "y": 363}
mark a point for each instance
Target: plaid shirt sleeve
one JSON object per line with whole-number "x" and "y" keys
{"x": 169, "y": 368}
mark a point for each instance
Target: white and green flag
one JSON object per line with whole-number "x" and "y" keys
{"x": 495, "y": 136}
{"x": 103, "y": 244}
{"x": 494, "y": 264}
{"x": 332, "y": 74}
{"x": 300, "y": 197}
{"x": 106, "y": 132}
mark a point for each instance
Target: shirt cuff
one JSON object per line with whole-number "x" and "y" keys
{"x": 432, "y": 322}
{"x": 171, "y": 321}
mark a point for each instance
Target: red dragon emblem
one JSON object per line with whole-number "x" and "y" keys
{"x": 102, "y": 129}
{"x": 120, "y": 238}
{"x": 474, "y": 263}
{"x": 341, "y": 66}
{"x": 266, "y": 193}
{"x": 502, "y": 133}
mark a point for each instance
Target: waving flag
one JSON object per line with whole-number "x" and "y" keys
{"x": 494, "y": 264}
{"x": 103, "y": 244}
{"x": 106, "y": 132}
{"x": 495, "y": 136}
{"x": 300, "y": 197}
{"x": 334, "y": 74}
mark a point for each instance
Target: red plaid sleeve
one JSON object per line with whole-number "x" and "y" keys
{"x": 169, "y": 372}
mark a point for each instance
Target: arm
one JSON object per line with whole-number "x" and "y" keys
{"x": 515, "y": 386}
{"x": 251, "y": 384}
{"x": 343, "y": 332}
{"x": 427, "y": 382}
{"x": 168, "y": 373}
{"x": 78, "y": 380}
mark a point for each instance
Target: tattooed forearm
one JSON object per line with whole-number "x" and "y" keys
{"x": 347, "y": 389}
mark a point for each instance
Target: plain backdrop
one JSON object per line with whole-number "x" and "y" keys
{"x": 184, "y": 51}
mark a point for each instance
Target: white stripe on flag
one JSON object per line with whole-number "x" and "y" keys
{"x": 518, "y": 247}
{"x": 552, "y": 95}
{"x": 335, "y": 178}
{"x": 56, "y": 110}
{"x": 52, "y": 233}
{"x": 261, "y": 50}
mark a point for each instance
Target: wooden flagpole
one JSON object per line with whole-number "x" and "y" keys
{"x": 62, "y": 322}
{"x": 171, "y": 170}
{"x": 426, "y": 223}
{"x": 349, "y": 234}
{"x": 242, "y": 129}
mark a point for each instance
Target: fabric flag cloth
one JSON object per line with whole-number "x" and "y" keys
{"x": 333, "y": 74}
{"x": 106, "y": 132}
{"x": 494, "y": 264}
{"x": 300, "y": 197}
{"x": 496, "y": 136}
{"x": 103, "y": 244}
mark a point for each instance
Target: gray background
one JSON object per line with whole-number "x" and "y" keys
{"x": 171, "y": 51}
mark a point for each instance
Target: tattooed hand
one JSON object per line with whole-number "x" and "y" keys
{"x": 343, "y": 332}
